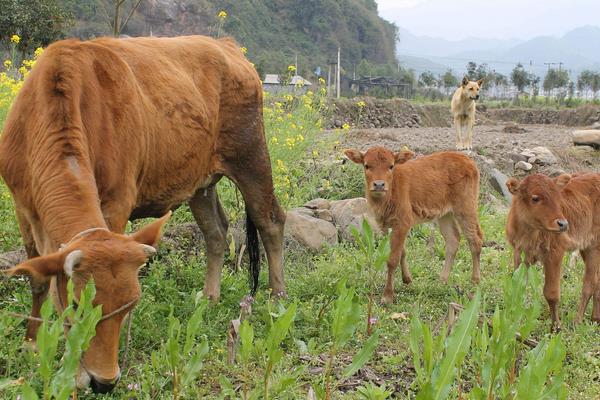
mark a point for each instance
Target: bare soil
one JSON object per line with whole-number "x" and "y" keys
{"x": 489, "y": 141}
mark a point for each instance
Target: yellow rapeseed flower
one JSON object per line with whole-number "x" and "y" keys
{"x": 38, "y": 52}
{"x": 23, "y": 71}
{"x": 321, "y": 81}
{"x": 345, "y": 127}
{"x": 292, "y": 68}
{"x": 244, "y": 50}
{"x": 7, "y": 64}
{"x": 15, "y": 39}
{"x": 361, "y": 104}
{"x": 222, "y": 14}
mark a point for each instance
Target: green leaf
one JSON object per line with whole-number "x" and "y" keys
{"x": 361, "y": 358}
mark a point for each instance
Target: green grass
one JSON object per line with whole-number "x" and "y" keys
{"x": 173, "y": 279}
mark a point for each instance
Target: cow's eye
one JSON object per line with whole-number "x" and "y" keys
{"x": 367, "y": 167}
{"x": 535, "y": 199}
{"x": 391, "y": 167}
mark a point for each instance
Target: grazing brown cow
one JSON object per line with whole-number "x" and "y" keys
{"x": 403, "y": 193}
{"x": 109, "y": 130}
{"x": 549, "y": 217}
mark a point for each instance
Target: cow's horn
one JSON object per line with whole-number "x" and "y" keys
{"x": 72, "y": 260}
{"x": 148, "y": 250}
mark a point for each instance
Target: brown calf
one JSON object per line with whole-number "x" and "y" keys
{"x": 403, "y": 193}
{"x": 110, "y": 130}
{"x": 549, "y": 217}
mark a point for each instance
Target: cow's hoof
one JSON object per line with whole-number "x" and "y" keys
{"x": 407, "y": 279}
{"x": 387, "y": 300}
{"x": 475, "y": 279}
{"x": 444, "y": 279}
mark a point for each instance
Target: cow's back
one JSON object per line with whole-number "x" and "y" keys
{"x": 145, "y": 112}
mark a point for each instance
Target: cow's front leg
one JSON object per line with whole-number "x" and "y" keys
{"x": 552, "y": 267}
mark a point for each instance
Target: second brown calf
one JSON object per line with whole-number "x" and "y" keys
{"x": 403, "y": 192}
{"x": 549, "y": 217}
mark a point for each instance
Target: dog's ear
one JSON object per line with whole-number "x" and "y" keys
{"x": 465, "y": 81}
{"x": 480, "y": 82}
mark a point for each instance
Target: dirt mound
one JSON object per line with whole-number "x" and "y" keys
{"x": 368, "y": 112}
{"x": 580, "y": 116}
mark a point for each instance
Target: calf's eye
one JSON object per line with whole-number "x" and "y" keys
{"x": 391, "y": 167}
{"x": 535, "y": 199}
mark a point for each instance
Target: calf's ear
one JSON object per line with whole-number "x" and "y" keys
{"x": 513, "y": 185}
{"x": 355, "y": 156}
{"x": 562, "y": 180}
{"x": 150, "y": 234}
{"x": 403, "y": 156}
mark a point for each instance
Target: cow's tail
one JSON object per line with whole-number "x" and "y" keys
{"x": 252, "y": 244}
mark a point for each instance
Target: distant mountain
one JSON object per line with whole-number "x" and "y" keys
{"x": 577, "y": 50}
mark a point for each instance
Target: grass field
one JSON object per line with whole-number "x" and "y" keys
{"x": 304, "y": 164}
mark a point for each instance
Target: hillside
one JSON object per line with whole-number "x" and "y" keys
{"x": 273, "y": 31}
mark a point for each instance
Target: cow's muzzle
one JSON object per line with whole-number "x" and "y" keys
{"x": 378, "y": 186}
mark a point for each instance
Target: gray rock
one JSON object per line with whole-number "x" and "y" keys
{"x": 498, "y": 182}
{"x": 588, "y": 137}
{"x": 351, "y": 212}
{"x": 325, "y": 215}
{"x": 516, "y": 157}
{"x": 522, "y": 165}
{"x": 310, "y": 232}
{"x": 532, "y": 160}
{"x": 527, "y": 153}
{"x": 544, "y": 156}
{"x": 318, "y": 204}
{"x": 596, "y": 125}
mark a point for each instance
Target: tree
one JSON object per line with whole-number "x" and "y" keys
{"x": 449, "y": 80}
{"x": 120, "y": 23}
{"x": 520, "y": 78}
{"x": 476, "y": 72}
{"x": 427, "y": 79}
{"x": 37, "y": 22}
{"x": 555, "y": 79}
{"x": 589, "y": 80}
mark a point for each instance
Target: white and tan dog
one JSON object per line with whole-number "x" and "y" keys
{"x": 463, "y": 110}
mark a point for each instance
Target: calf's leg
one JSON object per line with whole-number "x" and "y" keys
{"x": 211, "y": 219}
{"x": 451, "y": 234}
{"x": 396, "y": 254}
{"x": 591, "y": 258}
{"x": 552, "y": 268}
{"x": 472, "y": 231}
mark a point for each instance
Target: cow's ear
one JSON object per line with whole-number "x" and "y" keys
{"x": 513, "y": 185}
{"x": 40, "y": 269}
{"x": 562, "y": 180}
{"x": 480, "y": 82}
{"x": 403, "y": 156}
{"x": 355, "y": 156}
{"x": 150, "y": 234}
{"x": 465, "y": 81}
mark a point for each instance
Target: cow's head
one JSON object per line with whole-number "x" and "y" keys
{"x": 379, "y": 164}
{"x": 537, "y": 201}
{"x": 471, "y": 88}
{"x": 113, "y": 261}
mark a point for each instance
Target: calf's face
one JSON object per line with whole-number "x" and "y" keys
{"x": 537, "y": 201}
{"x": 379, "y": 163}
{"x": 113, "y": 261}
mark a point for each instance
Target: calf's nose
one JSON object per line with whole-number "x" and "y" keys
{"x": 563, "y": 224}
{"x": 378, "y": 185}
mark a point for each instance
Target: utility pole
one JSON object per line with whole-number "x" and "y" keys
{"x": 338, "y": 74}
{"x": 328, "y": 79}
{"x": 296, "y": 64}
{"x": 530, "y": 77}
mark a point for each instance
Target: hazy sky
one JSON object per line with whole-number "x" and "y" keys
{"x": 457, "y": 19}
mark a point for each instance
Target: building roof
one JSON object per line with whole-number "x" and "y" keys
{"x": 298, "y": 80}
{"x": 271, "y": 79}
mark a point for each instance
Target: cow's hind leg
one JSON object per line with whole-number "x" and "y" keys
{"x": 39, "y": 290}
{"x": 211, "y": 219}
{"x": 472, "y": 232}
{"x": 256, "y": 184}
{"x": 591, "y": 258}
{"x": 451, "y": 234}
